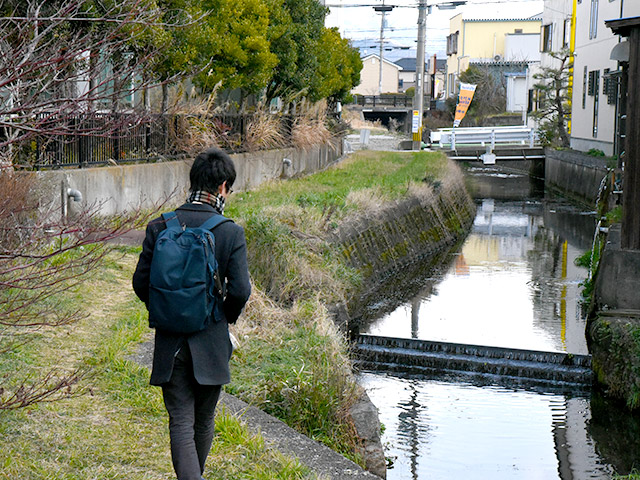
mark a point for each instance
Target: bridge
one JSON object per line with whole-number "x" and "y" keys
{"x": 387, "y": 107}
{"x": 489, "y": 144}
{"x": 423, "y": 356}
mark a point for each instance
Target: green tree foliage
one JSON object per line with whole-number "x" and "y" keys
{"x": 295, "y": 31}
{"x": 339, "y": 66}
{"x": 281, "y": 46}
{"x": 552, "y": 94}
{"x": 232, "y": 45}
{"x": 312, "y": 60}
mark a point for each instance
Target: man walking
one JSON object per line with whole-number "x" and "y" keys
{"x": 191, "y": 369}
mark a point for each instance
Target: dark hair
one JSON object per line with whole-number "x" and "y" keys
{"x": 211, "y": 169}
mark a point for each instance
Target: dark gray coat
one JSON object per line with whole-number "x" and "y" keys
{"x": 210, "y": 348}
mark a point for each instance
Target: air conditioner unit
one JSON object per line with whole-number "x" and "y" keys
{"x": 497, "y": 58}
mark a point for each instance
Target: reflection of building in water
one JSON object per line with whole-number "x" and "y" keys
{"x": 503, "y": 234}
{"x": 556, "y": 289}
{"x": 461, "y": 266}
{"x": 575, "y": 449}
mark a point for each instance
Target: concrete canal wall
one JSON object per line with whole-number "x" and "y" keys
{"x": 613, "y": 332}
{"x": 127, "y": 187}
{"x": 388, "y": 245}
{"x": 575, "y": 174}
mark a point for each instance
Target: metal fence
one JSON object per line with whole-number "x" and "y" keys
{"x": 116, "y": 138}
{"x": 485, "y": 136}
{"x": 384, "y": 101}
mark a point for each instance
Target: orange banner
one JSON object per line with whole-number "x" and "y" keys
{"x": 464, "y": 100}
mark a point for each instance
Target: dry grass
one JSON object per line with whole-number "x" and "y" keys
{"x": 264, "y": 131}
{"x": 366, "y": 200}
{"x": 353, "y": 117}
{"x": 196, "y": 127}
{"x": 309, "y": 128}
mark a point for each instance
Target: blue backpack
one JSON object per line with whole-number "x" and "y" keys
{"x": 185, "y": 291}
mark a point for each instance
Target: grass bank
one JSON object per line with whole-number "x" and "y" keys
{"x": 116, "y": 426}
{"x": 292, "y": 362}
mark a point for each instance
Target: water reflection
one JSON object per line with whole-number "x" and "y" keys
{"x": 513, "y": 284}
{"x": 441, "y": 430}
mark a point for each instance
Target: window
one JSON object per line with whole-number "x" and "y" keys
{"x": 452, "y": 44}
{"x": 594, "y": 86}
{"x": 593, "y": 22}
{"x": 566, "y": 34}
{"x": 546, "y": 43}
{"x": 610, "y": 85}
{"x": 594, "y": 76}
{"x": 584, "y": 88}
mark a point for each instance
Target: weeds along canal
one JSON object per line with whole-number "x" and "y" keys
{"x": 513, "y": 283}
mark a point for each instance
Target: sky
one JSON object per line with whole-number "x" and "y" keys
{"x": 357, "y": 20}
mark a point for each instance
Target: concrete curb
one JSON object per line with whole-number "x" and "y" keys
{"x": 326, "y": 463}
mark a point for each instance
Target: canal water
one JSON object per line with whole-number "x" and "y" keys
{"x": 514, "y": 284}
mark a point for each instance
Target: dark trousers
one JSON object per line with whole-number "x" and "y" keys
{"x": 191, "y": 408}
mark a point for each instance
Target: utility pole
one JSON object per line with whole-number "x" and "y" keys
{"x": 381, "y": 50}
{"x": 383, "y": 9}
{"x": 418, "y": 99}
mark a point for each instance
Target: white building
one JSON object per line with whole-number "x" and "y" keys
{"x": 595, "y": 91}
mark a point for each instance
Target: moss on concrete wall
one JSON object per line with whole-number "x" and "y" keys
{"x": 390, "y": 245}
{"x": 615, "y": 350}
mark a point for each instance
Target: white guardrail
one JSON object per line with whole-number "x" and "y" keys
{"x": 485, "y": 136}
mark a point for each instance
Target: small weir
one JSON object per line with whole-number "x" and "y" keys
{"x": 411, "y": 355}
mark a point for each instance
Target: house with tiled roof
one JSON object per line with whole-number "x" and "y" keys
{"x": 370, "y": 81}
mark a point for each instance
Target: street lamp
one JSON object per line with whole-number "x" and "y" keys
{"x": 418, "y": 101}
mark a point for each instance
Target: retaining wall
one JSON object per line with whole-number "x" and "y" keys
{"x": 391, "y": 247}
{"x": 127, "y": 187}
{"x": 574, "y": 173}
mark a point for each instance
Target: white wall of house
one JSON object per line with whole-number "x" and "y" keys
{"x": 370, "y": 77}
{"x": 556, "y": 18}
{"x": 593, "y": 118}
{"x": 522, "y": 47}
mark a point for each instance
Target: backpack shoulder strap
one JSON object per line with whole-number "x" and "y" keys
{"x": 214, "y": 221}
{"x": 171, "y": 219}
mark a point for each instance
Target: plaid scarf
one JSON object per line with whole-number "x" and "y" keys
{"x": 215, "y": 200}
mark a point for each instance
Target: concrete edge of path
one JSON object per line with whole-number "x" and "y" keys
{"x": 326, "y": 463}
